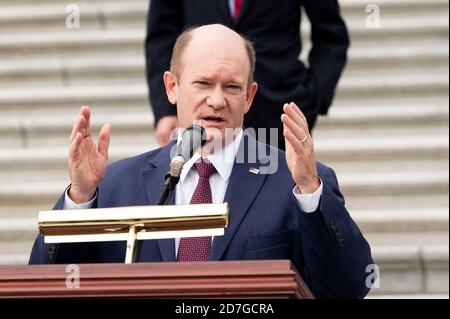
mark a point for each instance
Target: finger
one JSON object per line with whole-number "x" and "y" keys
{"x": 294, "y": 113}
{"x": 78, "y": 127}
{"x": 75, "y": 146}
{"x": 86, "y": 112}
{"x": 300, "y": 119}
{"x": 293, "y": 140}
{"x": 289, "y": 110}
{"x": 299, "y": 112}
{"x": 103, "y": 140}
{"x": 298, "y": 131}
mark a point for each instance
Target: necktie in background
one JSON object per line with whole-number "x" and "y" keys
{"x": 237, "y": 8}
{"x": 198, "y": 248}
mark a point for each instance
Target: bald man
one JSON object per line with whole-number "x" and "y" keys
{"x": 282, "y": 205}
{"x": 274, "y": 28}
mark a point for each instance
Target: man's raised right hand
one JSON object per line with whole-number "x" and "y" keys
{"x": 87, "y": 161}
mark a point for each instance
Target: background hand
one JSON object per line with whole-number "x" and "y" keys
{"x": 164, "y": 128}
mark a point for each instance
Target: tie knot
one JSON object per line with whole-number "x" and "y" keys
{"x": 204, "y": 169}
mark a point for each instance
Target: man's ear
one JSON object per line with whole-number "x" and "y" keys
{"x": 251, "y": 91}
{"x": 171, "y": 84}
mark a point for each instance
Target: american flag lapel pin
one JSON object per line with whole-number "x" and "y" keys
{"x": 254, "y": 170}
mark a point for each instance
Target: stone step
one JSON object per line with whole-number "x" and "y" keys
{"x": 419, "y": 238}
{"x": 419, "y": 183}
{"x": 55, "y": 131}
{"x": 384, "y": 166}
{"x": 368, "y": 121}
{"x": 73, "y": 72}
{"x": 40, "y": 3}
{"x": 357, "y": 5}
{"x": 15, "y": 259}
{"x": 375, "y": 224}
{"x": 29, "y": 207}
{"x": 12, "y": 247}
{"x": 387, "y": 151}
{"x": 131, "y": 69}
{"x": 11, "y": 170}
{"x": 370, "y": 86}
{"x": 106, "y": 99}
{"x": 412, "y": 269}
{"x": 35, "y": 166}
{"x": 20, "y": 199}
{"x": 381, "y": 148}
{"x": 73, "y": 43}
{"x": 35, "y": 169}
{"x": 402, "y": 221}
{"x": 414, "y": 66}
{"x": 383, "y": 120}
{"x": 405, "y": 201}
{"x": 392, "y": 8}
{"x": 87, "y": 42}
{"x": 425, "y": 20}
{"x": 126, "y": 14}
{"x": 346, "y": 156}
{"x": 29, "y": 101}
{"x": 27, "y": 227}
{"x": 93, "y": 16}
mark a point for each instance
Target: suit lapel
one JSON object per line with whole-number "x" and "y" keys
{"x": 225, "y": 11}
{"x": 241, "y": 192}
{"x": 154, "y": 179}
{"x": 244, "y": 9}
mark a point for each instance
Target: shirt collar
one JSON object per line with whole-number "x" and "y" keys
{"x": 222, "y": 158}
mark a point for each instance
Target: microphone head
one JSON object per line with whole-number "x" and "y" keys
{"x": 193, "y": 138}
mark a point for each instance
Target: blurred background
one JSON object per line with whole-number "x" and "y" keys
{"x": 387, "y": 134}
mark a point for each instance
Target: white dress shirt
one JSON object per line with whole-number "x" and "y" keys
{"x": 232, "y": 4}
{"x": 223, "y": 161}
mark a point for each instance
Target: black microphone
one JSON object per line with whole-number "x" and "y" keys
{"x": 192, "y": 138}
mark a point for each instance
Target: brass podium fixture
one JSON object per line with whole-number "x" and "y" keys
{"x": 133, "y": 223}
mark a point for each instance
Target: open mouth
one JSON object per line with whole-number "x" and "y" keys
{"x": 213, "y": 119}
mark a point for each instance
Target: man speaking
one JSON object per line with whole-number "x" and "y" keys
{"x": 294, "y": 211}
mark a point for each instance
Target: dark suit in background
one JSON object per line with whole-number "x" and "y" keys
{"x": 274, "y": 28}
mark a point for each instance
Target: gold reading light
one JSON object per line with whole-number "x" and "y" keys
{"x": 133, "y": 223}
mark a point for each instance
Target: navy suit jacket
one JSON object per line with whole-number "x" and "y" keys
{"x": 266, "y": 222}
{"x": 273, "y": 26}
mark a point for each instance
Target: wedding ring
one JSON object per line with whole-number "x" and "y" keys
{"x": 304, "y": 139}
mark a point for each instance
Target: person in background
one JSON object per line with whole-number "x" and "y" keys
{"x": 273, "y": 27}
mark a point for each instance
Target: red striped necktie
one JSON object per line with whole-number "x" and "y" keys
{"x": 237, "y": 8}
{"x": 198, "y": 248}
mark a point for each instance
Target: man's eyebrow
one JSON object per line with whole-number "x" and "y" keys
{"x": 205, "y": 77}
{"x": 202, "y": 77}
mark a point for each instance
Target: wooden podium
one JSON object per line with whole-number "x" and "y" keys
{"x": 218, "y": 279}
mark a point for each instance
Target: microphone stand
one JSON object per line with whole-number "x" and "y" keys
{"x": 185, "y": 151}
{"x": 172, "y": 179}
{"x": 168, "y": 188}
